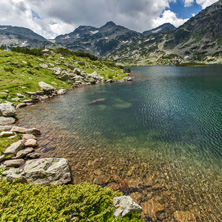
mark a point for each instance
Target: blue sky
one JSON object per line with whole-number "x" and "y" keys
{"x": 185, "y": 12}
{"x": 51, "y": 18}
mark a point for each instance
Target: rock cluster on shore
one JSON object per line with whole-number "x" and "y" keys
{"x": 20, "y": 160}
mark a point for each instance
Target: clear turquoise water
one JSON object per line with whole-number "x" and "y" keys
{"x": 169, "y": 118}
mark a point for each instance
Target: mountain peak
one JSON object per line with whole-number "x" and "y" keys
{"x": 110, "y": 23}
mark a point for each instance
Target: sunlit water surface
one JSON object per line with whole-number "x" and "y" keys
{"x": 158, "y": 137}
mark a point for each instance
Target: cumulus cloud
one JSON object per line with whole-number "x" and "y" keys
{"x": 205, "y": 3}
{"x": 188, "y": 3}
{"x": 51, "y": 18}
{"x": 168, "y": 16}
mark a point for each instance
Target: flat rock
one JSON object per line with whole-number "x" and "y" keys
{"x": 6, "y": 120}
{"x": 20, "y": 105}
{"x": 28, "y": 136}
{"x": 19, "y": 178}
{"x": 15, "y": 147}
{"x": 7, "y": 110}
{"x": 5, "y": 128}
{"x": 184, "y": 216}
{"x": 23, "y": 153}
{"x": 124, "y": 206}
{"x": 34, "y": 131}
{"x": 18, "y": 129}
{"x": 6, "y": 133}
{"x": 14, "y": 163}
{"x": 30, "y": 143}
{"x": 48, "y": 171}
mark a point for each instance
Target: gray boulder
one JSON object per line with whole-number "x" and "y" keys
{"x": 124, "y": 206}
{"x": 48, "y": 171}
{"x": 15, "y": 147}
{"x": 7, "y": 110}
{"x": 61, "y": 92}
{"x": 46, "y": 88}
{"x": 6, "y": 120}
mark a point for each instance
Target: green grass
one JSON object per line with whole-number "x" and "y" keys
{"x": 30, "y": 202}
{"x": 19, "y": 73}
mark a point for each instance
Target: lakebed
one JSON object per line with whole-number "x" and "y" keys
{"x": 158, "y": 138}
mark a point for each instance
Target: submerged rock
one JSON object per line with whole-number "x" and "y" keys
{"x": 184, "y": 216}
{"x": 48, "y": 171}
{"x": 97, "y": 101}
{"x": 124, "y": 206}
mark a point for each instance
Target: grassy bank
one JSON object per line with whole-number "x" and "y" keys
{"x": 29, "y": 202}
{"x": 21, "y": 72}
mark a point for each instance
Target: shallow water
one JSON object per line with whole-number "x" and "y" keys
{"x": 158, "y": 138}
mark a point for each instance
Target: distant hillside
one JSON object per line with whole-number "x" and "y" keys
{"x": 98, "y": 41}
{"x": 166, "y": 27}
{"x": 199, "y": 39}
{"x": 23, "y": 37}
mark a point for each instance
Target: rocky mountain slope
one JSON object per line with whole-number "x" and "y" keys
{"x": 199, "y": 39}
{"x": 23, "y": 37}
{"x": 166, "y": 27}
{"x": 98, "y": 41}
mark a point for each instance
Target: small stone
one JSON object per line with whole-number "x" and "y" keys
{"x": 61, "y": 91}
{"x": 15, "y": 99}
{"x": 14, "y": 147}
{"x": 6, "y": 133}
{"x": 124, "y": 206}
{"x": 44, "y": 66}
{"x": 28, "y": 136}
{"x": 14, "y": 163}
{"x": 23, "y": 153}
{"x": 34, "y": 131}
{"x": 18, "y": 129}
{"x": 33, "y": 155}
{"x": 30, "y": 143}
{"x": 20, "y": 95}
{"x": 184, "y": 216}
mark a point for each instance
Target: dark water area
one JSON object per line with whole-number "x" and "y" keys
{"x": 158, "y": 138}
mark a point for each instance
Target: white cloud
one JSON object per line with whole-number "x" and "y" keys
{"x": 188, "y": 3}
{"x": 55, "y": 17}
{"x": 168, "y": 16}
{"x": 205, "y": 3}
